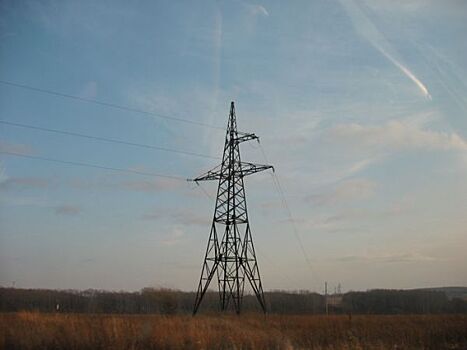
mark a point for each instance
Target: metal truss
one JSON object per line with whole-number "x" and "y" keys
{"x": 230, "y": 255}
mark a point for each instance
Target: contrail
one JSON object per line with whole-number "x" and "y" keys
{"x": 407, "y": 72}
{"x": 367, "y": 29}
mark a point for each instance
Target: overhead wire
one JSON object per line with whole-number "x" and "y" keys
{"x": 110, "y": 140}
{"x": 286, "y": 206}
{"x": 88, "y": 165}
{"x": 104, "y": 139}
{"x": 204, "y": 191}
{"x": 108, "y": 104}
{"x": 200, "y": 187}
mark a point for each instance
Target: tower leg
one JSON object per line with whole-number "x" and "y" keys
{"x": 251, "y": 268}
{"x": 209, "y": 267}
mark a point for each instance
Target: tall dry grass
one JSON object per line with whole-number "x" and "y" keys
{"x": 26, "y": 330}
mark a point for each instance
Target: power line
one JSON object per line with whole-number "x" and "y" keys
{"x": 108, "y": 104}
{"x": 206, "y": 193}
{"x": 291, "y": 219}
{"x": 289, "y": 212}
{"x": 88, "y": 165}
{"x": 105, "y": 139}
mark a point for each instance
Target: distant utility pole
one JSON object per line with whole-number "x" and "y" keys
{"x": 326, "y": 297}
{"x": 230, "y": 254}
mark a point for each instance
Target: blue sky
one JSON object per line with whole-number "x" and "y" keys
{"x": 361, "y": 107}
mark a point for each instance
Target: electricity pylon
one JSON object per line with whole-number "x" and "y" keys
{"x": 232, "y": 258}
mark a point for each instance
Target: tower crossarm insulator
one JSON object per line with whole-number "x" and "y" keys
{"x": 243, "y": 137}
{"x": 245, "y": 170}
{"x": 213, "y": 174}
{"x": 251, "y": 168}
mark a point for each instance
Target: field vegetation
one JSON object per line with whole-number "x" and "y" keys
{"x": 34, "y": 330}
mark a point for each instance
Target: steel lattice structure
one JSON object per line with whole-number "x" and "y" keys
{"x": 231, "y": 258}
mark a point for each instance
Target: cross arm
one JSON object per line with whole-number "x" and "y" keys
{"x": 245, "y": 170}
{"x": 251, "y": 168}
{"x": 242, "y": 137}
{"x": 213, "y": 174}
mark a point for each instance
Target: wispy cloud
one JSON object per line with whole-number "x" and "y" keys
{"x": 395, "y": 135}
{"x": 18, "y": 148}
{"x": 24, "y": 182}
{"x": 257, "y": 10}
{"x": 67, "y": 209}
{"x": 388, "y": 258}
{"x": 147, "y": 186}
{"x": 29, "y": 201}
{"x": 181, "y": 216}
{"x": 196, "y": 102}
{"x": 138, "y": 185}
{"x": 3, "y": 174}
{"x": 332, "y": 223}
{"x": 350, "y": 190}
{"x": 366, "y": 29}
{"x": 360, "y": 165}
{"x": 89, "y": 90}
{"x": 449, "y": 75}
{"x": 176, "y": 236}
{"x": 350, "y": 218}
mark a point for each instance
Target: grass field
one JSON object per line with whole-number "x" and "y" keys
{"x": 26, "y": 330}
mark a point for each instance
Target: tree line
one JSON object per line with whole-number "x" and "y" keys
{"x": 168, "y": 301}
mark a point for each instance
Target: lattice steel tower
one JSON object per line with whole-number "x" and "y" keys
{"x": 232, "y": 258}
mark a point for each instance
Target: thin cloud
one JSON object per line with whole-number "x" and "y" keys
{"x": 351, "y": 190}
{"x": 3, "y": 174}
{"x": 396, "y": 135}
{"x": 387, "y": 258}
{"x": 67, "y": 209}
{"x": 175, "y": 237}
{"x": 18, "y": 148}
{"x": 24, "y": 182}
{"x": 143, "y": 185}
{"x": 89, "y": 90}
{"x": 334, "y": 223}
{"x": 149, "y": 186}
{"x": 449, "y": 75}
{"x": 366, "y": 29}
{"x": 181, "y": 216}
{"x": 258, "y": 10}
{"x": 351, "y": 218}
{"x": 360, "y": 165}
{"x": 20, "y": 201}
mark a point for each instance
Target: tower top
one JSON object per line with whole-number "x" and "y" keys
{"x": 233, "y": 139}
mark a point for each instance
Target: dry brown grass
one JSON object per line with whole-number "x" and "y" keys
{"x": 26, "y": 330}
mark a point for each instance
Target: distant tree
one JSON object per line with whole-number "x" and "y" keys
{"x": 168, "y": 301}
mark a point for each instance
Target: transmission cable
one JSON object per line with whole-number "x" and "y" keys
{"x": 96, "y": 166}
{"x": 289, "y": 212}
{"x": 108, "y": 104}
{"x": 105, "y": 139}
{"x": 206, "y": 193}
